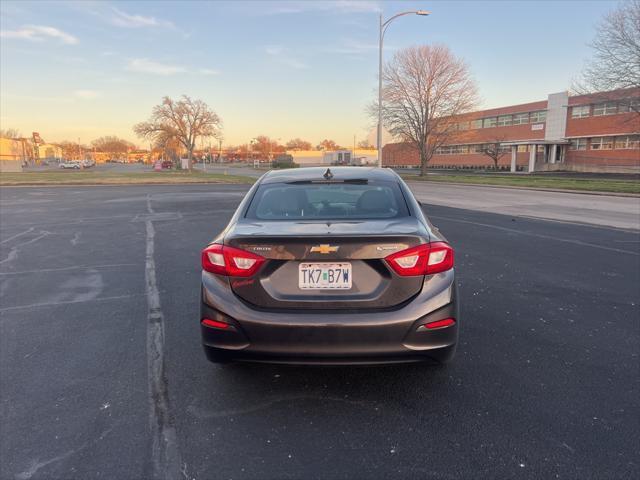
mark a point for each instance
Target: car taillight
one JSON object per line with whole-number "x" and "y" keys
{"x": 230, "y": 261}
{"x": 207, "y": 322}
{"x": 425, "y": 259}
{"x": 447, "y": 322}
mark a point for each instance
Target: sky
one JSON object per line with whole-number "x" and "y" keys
{"x": 284, "y": 69}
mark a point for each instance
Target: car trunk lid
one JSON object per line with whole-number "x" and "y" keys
{"x": 353, "y": 248}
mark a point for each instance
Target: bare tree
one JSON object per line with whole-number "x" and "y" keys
{"x": 170, "y": 147}
{"x": 10, "y": 133}
{"x": 70, "y": 150}
{"x": 424, "y": 88}
{"x": 616, "y": 62}
{"x": 265, "y": 147}
{"x": 298, "y": 144}
{"x": 113, "y": 145}
{"x": 184, "y": 120}
{"x": 494, "y": 151}
{"x": 328, "y": 145}
{"x": 365, "y": 145}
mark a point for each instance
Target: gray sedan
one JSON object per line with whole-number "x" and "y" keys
{"x": 329, "y": 266}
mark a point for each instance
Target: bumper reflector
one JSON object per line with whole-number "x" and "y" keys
{"x": 447, "y": 322}
{"x": 207, "y": 322}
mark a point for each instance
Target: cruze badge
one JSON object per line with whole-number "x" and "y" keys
{"x": 324, "y": 249}
{"x": 387, "y": 247}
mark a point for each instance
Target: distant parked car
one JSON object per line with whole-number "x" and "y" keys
{"x": 70, "y": 164}
{"x": 167, "y": 164}
{"x": 88, "y": 163}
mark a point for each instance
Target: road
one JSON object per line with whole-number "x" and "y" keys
{"x": 605, "y": 210}
{"x": 102, "y": 374}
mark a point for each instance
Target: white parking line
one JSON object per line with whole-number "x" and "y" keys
{"x": 17, "y": 235}
{"x": 13, "y": 253}
{"x": 165, "y": 456}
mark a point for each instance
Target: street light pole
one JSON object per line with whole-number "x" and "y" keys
{"x": 383, "y": 29}
{"x": 379, "y": 134}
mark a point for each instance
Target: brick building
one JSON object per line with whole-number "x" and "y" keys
{"x": 598, "y": 132}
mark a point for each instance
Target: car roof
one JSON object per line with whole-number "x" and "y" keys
{"x": 317, "y": 173}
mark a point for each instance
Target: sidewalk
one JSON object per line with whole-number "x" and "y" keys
{"x": 604, "y": 210}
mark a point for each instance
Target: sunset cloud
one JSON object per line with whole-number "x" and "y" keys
{"x": 335, "y": 7}
{"x": 121, "y": 18}
{"x": 39, "y": 33}
{"x": 144, "y": 65}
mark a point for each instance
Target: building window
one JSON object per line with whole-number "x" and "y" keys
{"x": 504, "y": 120}
{"x": 578, "y": 144}
{"x": 629, "y": 142}
{"x": 477, "y": 148}
{"x": 520, "y": 119}
{"x": 476, "y": 123}
{"x": 581, "y": 111}
{"x": 523, "y": 148}
{"x": 504, "y": 148}
{"x": 537, "y": 117}
{"x": 606, "y": 108}
{"x": 489, "y": 122}
{"x": 463, "y": 126}
{"x": 602, "y": 143}
{"x": 445, "y": 150}
{"x": 629, "y": 105}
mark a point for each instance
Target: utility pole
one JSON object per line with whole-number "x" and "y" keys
{"x": 353, "y": 152}
{"x": 80, "y": 155}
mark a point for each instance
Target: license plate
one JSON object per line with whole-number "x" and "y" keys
{"x": 324, "y": 276}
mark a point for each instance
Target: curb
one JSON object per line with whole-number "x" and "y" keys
{"x": 47, "y": 185}
{"x": 540, "y": 189}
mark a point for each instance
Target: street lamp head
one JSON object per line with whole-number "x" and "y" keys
{"x": 423, "y": 12}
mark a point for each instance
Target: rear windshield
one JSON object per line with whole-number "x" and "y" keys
{"x": 325, "y": 201}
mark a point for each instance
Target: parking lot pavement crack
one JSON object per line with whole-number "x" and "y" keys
{"x": 165, "y": 455}
{"x": 36, "y": 465}
{"x": 69, "y": 302}
{"x": 13, "y": 253}
{"x": 202, "y": 413}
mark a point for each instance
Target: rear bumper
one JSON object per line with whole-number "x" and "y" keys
{"x": 331, "y": 338}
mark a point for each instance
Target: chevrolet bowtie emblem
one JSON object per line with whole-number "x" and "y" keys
{"x": 324, "y": 249}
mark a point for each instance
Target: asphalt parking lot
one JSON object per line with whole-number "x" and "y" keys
{"x": 95, "y": 385}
